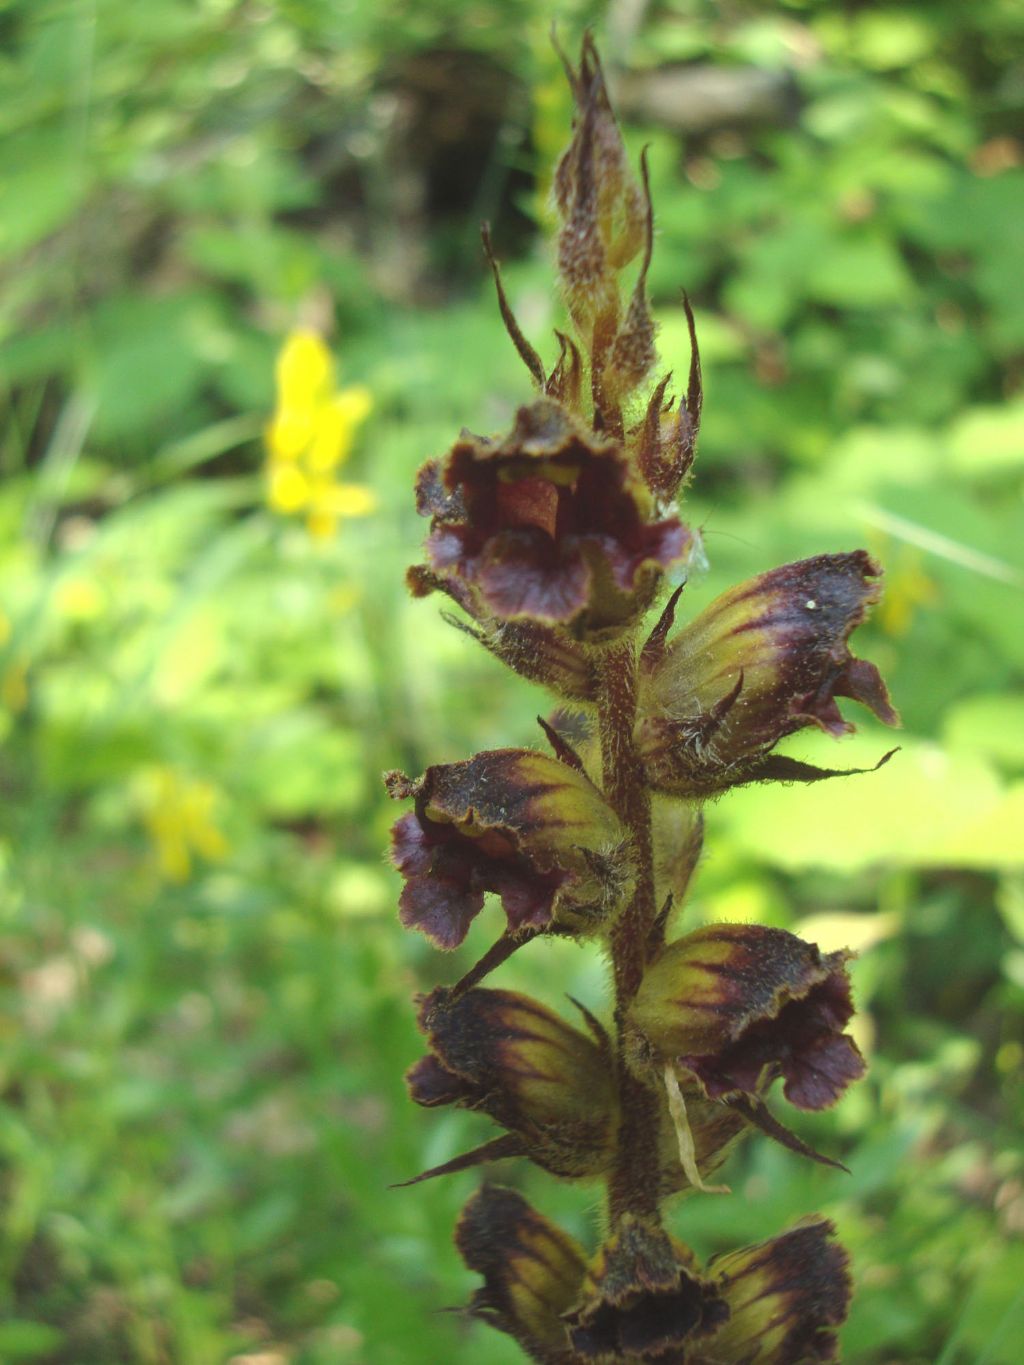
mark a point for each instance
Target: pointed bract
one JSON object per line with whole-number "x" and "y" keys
{"x": 678, "y": 830}
{"x": 665, "y": 442}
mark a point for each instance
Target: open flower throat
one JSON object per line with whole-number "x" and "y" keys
{"x": 553, "y": 540}
{"x": 548, "y": 524}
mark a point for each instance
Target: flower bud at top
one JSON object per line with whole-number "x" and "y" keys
{"x": 527, "y": 827}
{"x": 518, "y": 1062}
{"x": 764, "y": 660}
{"x": 547, "y": 525}
{"x": 735, "y": 1005}
{"x": 532, "y": 1271}
{"x": 598, "y": 199}
{"x": 786, "y": 1297}
{"x": 642, "y": 1299}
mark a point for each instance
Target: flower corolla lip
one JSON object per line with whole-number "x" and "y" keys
{"x": 544, "y": 654}
{"x": 733, "y": 1006}
{"x": 643, "y": 1299}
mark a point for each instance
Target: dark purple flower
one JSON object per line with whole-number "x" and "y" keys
{"x": 547, "y": 525}
{"x": 529, "y": 828}
{"x": 732, "y": 1006}
{"x": 643, "y": 1299}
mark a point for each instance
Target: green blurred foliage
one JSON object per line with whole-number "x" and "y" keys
{"x": 204, "y": 994}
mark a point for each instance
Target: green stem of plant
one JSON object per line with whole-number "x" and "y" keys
{"x": 633, "y": 1187}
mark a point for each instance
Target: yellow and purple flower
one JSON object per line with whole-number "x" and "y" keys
{"x": 532, "y": 1271}
{"x": 548, "y": 1084}
{"x": 527, "y": 827}
{"x": 786, "y": 1297}
{"x": 764, "y": 660}
{"x": 736, "y": 1005}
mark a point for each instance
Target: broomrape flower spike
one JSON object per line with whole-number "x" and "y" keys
{"x": 311, "y": 435}
{"x": 552, "y": 541}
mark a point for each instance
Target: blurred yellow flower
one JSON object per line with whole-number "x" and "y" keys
{"x": 79, "y": 599}
{"x": 907, "y": 589}
{"x": 311, "y": 434}
{"x": 178, "y": 812}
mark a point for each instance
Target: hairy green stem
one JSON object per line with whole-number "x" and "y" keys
{"x": 633, "y": 1187}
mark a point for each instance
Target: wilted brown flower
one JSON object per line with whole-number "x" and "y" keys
{"x": 764, "y": 660}
{"x": 714, "y": 1130}
{"x": 521, "y": 824}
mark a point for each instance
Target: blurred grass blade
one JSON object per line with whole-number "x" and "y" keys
{"x": 937, "y": 544}
{"x": 181, "y": 456}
